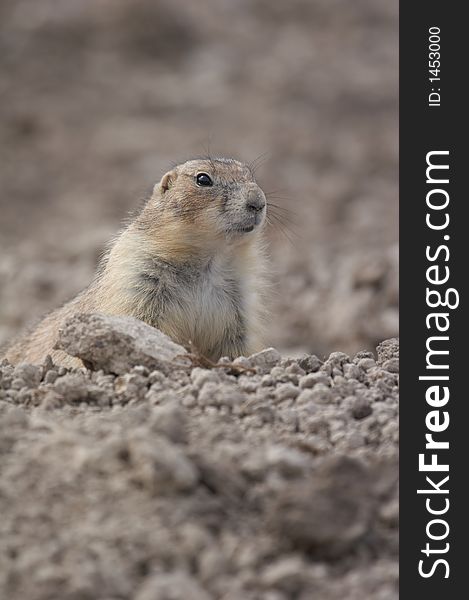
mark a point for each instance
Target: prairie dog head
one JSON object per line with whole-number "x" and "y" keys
{"x": 215, "y": 198}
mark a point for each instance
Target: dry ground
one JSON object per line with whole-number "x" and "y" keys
{"x": 201, "y": 484}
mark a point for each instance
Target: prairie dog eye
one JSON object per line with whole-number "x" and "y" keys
{"x": 203, "y": 180}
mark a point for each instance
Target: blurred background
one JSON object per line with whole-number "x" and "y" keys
{"x": 99, "y": 97}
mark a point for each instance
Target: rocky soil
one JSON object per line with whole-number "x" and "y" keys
{"x": 147, "y": 475}
{"x": 151, "y": 477}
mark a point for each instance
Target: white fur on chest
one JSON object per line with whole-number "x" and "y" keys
{"x": 210, "y": 306}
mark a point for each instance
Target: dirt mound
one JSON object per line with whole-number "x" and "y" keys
{"x": 272, "y": 478}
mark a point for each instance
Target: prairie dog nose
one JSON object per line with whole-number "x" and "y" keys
{"x": 255, "y": 201}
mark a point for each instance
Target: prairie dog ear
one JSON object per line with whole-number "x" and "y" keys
{"x": 166, "y": 181}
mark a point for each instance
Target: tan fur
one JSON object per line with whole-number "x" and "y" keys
{"x": 183, "y": 265}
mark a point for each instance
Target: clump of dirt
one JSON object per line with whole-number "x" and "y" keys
{"x": 279, "y": 482}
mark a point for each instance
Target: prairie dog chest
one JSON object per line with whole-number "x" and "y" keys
{"x": 206, "y": 306}
{"x": 213, "y": 297}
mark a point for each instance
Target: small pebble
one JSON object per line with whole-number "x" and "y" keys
{"x": 361, "y": 408}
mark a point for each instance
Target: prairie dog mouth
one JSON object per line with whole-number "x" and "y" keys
{"x": 239, "y": 229}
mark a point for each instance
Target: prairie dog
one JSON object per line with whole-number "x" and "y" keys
{"x": 191, "y": 264}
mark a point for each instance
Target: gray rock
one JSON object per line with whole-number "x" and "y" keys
{"x": 322, "y": 394}
{"x": 75, "y": 388}
{"x": 249, "y": 384}
{"x": 387, "y": 350}
{"x": 335, "y": 362}
{"x": 361, "y": 408}
{"x": 352, "y": 371}
{"x": 309, "y": 381}
{"x": 295, "y": 369}
{"x": 366, "y": 363}
{"x": 50, "y": 376}
{"x": 309, "y": 363}
{"x": 242, "y": 361}
{"x": 200, "y": 376}
{"x": 29, "y": 374}
{"x": 266, "y": 359}
{"x": 285, "y": 391}
{"x": 267, "y": 381}
{"x": 116, "y": 344}
{"x": 391, "y": 365}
